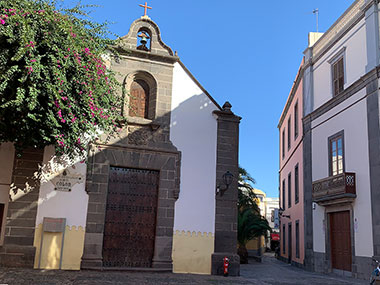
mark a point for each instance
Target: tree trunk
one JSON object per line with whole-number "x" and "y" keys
{"x": 243, "y": 253}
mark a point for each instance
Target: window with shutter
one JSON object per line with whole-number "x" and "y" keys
{"x": 139, "y": 99}
{"x": 296, "y": 120}
{"x": 283, "y": 194}
{"x": 283, "y": 143}
{"x": 289, "y": 133}
{"x": 296, "y": 184}
{"x": 338, "y": 76}
{"x": 289, "y": 190}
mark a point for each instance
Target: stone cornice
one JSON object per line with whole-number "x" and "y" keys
{"x": 359, "y": 84}
{"x": 146, "y": 55}
{"x": 291, "y": 95}
{"x": 227, "y": 116}
{"x": 341, "y": 26}
{"x": 144, "y": 149}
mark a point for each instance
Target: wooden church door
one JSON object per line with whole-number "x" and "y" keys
{"x": 130, "y": 223}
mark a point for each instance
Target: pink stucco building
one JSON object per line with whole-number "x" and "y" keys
{"x": 291, "y": 176}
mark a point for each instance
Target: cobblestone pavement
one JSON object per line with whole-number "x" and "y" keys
{"x": 270, "y": 271}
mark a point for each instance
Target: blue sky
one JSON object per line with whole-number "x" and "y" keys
{"x": 245, "y": 52}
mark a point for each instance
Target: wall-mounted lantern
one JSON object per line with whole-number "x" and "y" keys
{"x": 281, "y": 213}
{"x": 227, "y": 180}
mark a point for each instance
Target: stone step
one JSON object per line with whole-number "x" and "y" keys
{"x": 17, "y": 256}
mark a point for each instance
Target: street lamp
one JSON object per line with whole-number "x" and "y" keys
{"x": 227, "y": 180}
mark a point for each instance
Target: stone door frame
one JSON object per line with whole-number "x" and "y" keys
{"x": 167, "y": 162}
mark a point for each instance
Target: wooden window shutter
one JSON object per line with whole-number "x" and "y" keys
{"x": 139, "y": 99}
{"x": 338, "y": 76}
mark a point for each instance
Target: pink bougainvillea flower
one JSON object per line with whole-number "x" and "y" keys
{"x": 2, "y": 22}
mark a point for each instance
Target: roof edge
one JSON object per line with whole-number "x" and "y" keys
{"x": 199, "y": 85}
{"x": 293, "y": 90}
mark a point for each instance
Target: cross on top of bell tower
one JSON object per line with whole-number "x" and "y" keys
{"x": 145, "y": 8}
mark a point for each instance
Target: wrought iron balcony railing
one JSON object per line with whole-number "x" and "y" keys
{"x": 338, "y": 187}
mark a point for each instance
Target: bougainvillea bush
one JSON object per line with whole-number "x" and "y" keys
{"x": 54, "y": 86}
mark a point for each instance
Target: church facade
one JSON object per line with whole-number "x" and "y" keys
{"x": 146, "y": 198}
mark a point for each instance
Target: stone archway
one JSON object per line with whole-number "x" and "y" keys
{"x": 167, "y": 164}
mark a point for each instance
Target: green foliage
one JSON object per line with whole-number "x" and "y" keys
{"x": 251, "y": 223}
{"x": 250, "y": 226}
{"x": 246, "y": 196}
{"x": 54, "y": 86}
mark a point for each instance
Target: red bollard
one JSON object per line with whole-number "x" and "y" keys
{"x": 226, "y": 263}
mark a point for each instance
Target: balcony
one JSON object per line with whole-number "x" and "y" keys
{"x": 338, "y": 189}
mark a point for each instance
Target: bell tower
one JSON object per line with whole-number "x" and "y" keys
{"x": 141, "y": 151}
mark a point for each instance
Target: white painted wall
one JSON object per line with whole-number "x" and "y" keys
{"x": 193, "y": 131}
{"x": 355, "y": 63}
{"x": 56, "y": 204}
{"x": 354, "y": 123}
{"x": 319, "y": 229}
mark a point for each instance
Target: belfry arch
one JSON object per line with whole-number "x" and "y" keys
{"x": 140, "y": 97}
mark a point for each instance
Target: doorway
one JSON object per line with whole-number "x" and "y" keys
{"x": 340, "y": 240}
{"x": 130, "y": 222}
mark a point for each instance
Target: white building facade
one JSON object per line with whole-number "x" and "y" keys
{"x": 271, "y": 205}
{"x": 146, "y": 198}
{"x": 341, "y": 150}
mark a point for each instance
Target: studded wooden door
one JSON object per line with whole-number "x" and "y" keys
{"x": 340, "y": 238}
{"x": 130, "y": 222}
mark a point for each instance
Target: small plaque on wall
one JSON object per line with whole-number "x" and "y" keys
{"x": 65, "y": 181}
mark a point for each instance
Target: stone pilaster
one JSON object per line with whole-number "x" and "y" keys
{"x": 226, "y": 205}
{"x": 18, "y": 249}
{"x": 308, "y": 199}
{"x": 374, "y": 160}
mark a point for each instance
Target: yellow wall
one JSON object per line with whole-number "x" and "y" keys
{"x": 192, "y": 252}
{"x": 256, "y": 243}
{"x": 51, "y": 248}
